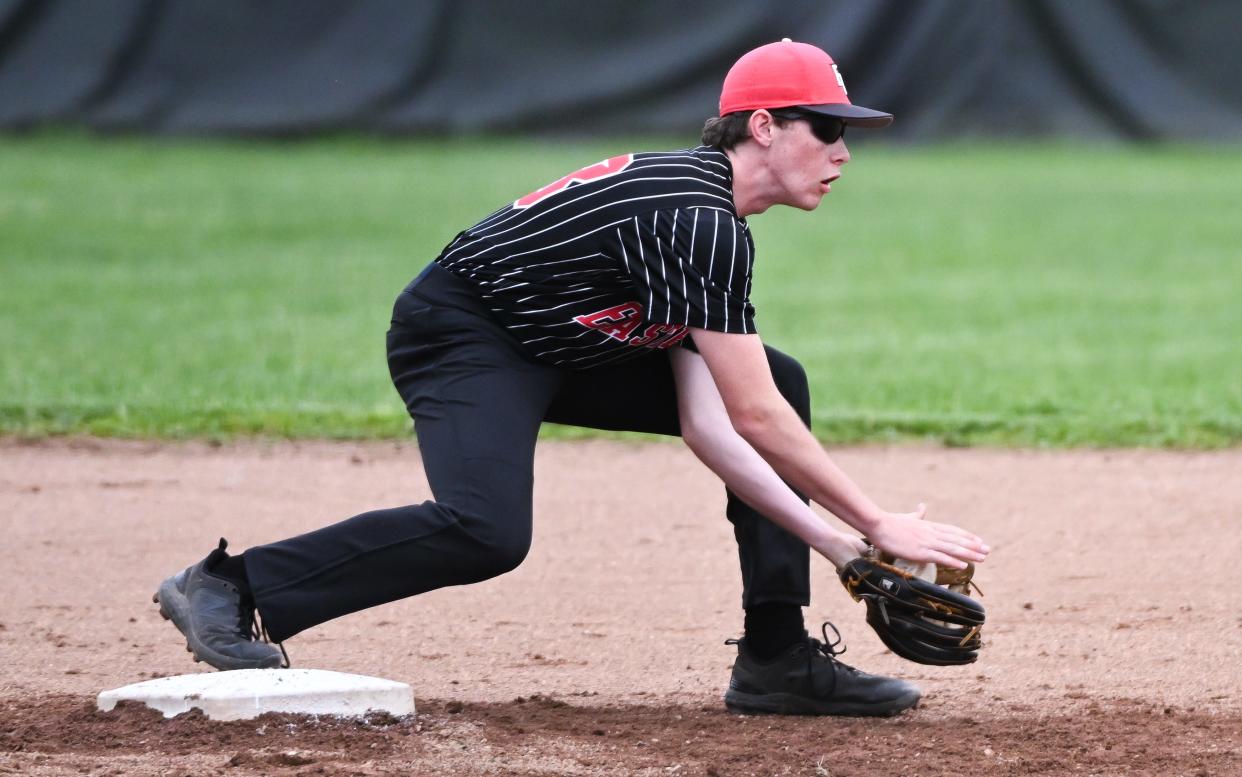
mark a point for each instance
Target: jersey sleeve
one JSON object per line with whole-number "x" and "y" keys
{"x": 691, "y": 266}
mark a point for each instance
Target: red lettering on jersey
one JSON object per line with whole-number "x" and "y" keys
{"x": 620, "y": 321}
{"x": 590, "y": 173}
{"x": 660, "y": 336}
{"x": 617, "y": 322}
{"x": 674, "y": 338}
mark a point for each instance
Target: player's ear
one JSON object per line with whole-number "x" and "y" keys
{"x": 760, "y": 125}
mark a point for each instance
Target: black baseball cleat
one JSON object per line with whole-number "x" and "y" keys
{"x": 807, "y": 679}
{"x": 218, "y": 621}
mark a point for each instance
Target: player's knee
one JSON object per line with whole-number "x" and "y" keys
{"x": 500, "y": 559}
{"x": 500, "y": 548}
{"x": 493, "y": 508}
{"x": 791, "y": 381}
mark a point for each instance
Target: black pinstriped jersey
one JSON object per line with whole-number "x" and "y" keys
{"x": 615, "y": 259}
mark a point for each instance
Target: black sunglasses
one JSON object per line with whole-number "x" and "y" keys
{"x": 828, "y": 129}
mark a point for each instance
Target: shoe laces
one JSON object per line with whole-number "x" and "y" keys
{"x": 252, "y": 626}
{"x": 828, "y": 647}
{"x": 828, "y": 650}
{"x": 249, "y": 624}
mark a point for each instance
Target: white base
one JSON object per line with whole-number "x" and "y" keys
{"x": 248, "y": 693}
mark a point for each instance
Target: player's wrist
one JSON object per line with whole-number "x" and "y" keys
{"x": 868, "y": 519}
{"x": 838, "y": 547}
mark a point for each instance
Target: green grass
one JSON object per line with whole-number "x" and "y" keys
{"x": 996, "y": 294}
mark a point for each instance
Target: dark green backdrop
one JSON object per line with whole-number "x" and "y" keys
{"x": 1135, "y": 69}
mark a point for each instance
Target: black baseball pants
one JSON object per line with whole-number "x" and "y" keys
{"x": 477, "y": 403}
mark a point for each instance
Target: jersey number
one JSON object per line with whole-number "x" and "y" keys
{"x": 590, "y": 173}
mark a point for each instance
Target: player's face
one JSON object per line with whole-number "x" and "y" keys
{"x": 804, "y": 164}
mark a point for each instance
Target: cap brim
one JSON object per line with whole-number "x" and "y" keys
{"x": 854, "y": 115}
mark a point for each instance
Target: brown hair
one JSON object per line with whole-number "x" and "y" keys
{"x": 727, "y": 131}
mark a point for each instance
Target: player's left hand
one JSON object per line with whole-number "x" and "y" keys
{"x": 917, "y": 619}
{"x": 911, "y": 536}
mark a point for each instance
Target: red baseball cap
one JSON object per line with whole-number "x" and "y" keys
{"x": 793, "y": 75}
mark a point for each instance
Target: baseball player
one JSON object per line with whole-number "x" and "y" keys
{"x": 617, "y": 297}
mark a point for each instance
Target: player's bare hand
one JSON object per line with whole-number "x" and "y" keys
{"x": 911, "y": 536}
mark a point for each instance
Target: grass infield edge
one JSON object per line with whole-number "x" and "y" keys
{"x": 831, "y": 428}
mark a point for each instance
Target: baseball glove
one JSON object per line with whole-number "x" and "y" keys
{"x": 921, "y": 621}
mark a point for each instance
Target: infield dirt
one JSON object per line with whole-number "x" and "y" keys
{"x": 1113, "y": 646}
